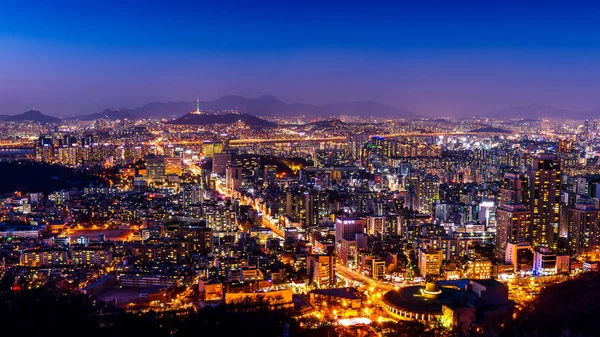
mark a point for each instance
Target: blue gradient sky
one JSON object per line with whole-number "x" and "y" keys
{"x": 436, "y": 58}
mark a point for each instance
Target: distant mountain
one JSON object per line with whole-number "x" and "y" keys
{"x": 230, "y": 118}
{"x": 31, "y": 115}
{"x": 111, "y": 114}
{"x": 532, "y": 111}
{"x": 265, "y": 105}
{"x": 588, "y": 114}
{"x": 365, "y": 108}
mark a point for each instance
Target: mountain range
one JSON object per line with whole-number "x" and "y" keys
{"x": 268, "y": 105}
{"x": 265, "y": 105}
{"x": 31, "y": 115}
{"x": 537, "y": 111}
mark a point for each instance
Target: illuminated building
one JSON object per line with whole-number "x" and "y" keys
{"x": 210, "y": 290}
{"x": 220, "y": 161}
{"x": 191, "y": 195}
{"x": 514, "y": 190}
{"x": 347, "y": 297}
{"x": 143, "y": 281}
{"x": 377, "y": 269}
{"x": 547, "y": 263}
{"x": 317, "y": 207}
{"x": 487, "y": 214}
{"x": 91, "y": 256}
{"x": 164, "y": 253}
{"x": 566, "y": 145}
{"x": 453, "y": 304}
{"x": 479, "y": 269}
{"x": 427, "y": 191}
{"x": 376, "y": 225}
{"x": 211, "y": 148}
{"x": 291, "y": 234}
{"x": 513, "y": 226}
{"x": 355, "y": 143}
{"x": 430, "y": 262}
{"x": 277, "y": 298}
{"x": 347, "y": 228}
{"x": 44, "y": 257}
{"x": 545, "y": 201}
{"x": 269, "y": 174}
{"x": 248, "y": 162}
{"x": 584, "y": 220}
{"x": 321, "y": 270}
{"x": 348, "y": 252}
{"x": 155, "y": 169}
{"x": 233, "y": 177}
{"x": 328, "y": 158}
{"x": 362, "y": 200}
{"x": 173, "y": 166}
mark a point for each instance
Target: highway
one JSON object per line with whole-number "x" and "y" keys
{"x": 353, "y": 275}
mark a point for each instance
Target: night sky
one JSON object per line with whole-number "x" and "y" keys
{"x": 435, "y": 58}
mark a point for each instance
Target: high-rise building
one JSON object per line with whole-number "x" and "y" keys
{"x": 155, "y": 168}
{"x": 545, "y": 201}
{"x": 191, "y": 195}
{"x": 355, "y": 144}
{"x": 347, "y": 228}
{"x": 514, "y": 190}
{"x": 270, "y": 174}
{"x": 317, "y": 207}
{"x": 427, "y": 191}
{"x": 513, "y": 226}
{"x": 321, "y": 270}
{"x": 220, "y": 162}
{"x": 584, "y": 220}
{"x": 233, "y": 177}
{"x": 566, "y": 145}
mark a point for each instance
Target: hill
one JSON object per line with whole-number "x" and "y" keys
{"x": 490, "y": 129}
{"x": 565, "y": 309}
{"x": 230, "y": 118}
{"x": 31, "y": 115}
{"x": 36, "y": 177}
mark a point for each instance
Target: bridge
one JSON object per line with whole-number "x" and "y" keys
{"x": 16, "y": 144}
{"x": 250, "y": 141}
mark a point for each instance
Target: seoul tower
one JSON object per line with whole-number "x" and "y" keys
{"x": 197, "y": 112}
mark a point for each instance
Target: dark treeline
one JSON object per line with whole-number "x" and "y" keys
{"x": 27, "y": 176}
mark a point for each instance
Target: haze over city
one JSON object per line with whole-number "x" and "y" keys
{"x": 73, "y": 58}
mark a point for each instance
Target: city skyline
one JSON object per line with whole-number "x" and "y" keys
{"x": 434, "y": 59}
{"x": 299, "y": 168}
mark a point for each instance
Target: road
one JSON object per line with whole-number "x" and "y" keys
{"x": 354, "y": 275}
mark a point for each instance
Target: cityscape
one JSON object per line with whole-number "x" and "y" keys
{"x": 230, "y": 215}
